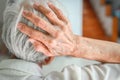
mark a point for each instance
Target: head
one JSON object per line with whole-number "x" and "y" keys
{"x": 17, "y": 42}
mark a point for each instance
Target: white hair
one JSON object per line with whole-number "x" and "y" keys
{"x": 16, "y": 41}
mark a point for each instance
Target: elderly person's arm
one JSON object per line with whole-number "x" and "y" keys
{"x": 60, "y": 39}
{"x": 99, "y": 50}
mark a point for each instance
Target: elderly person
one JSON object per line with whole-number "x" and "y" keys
{"x": 45, "y": 35}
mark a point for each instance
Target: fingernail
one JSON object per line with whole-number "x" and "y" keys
{"x": 36, "y": 4}
{"x": 25, "y": 12}
{"x": 49, "y": 3}
{"x": 19, "y": 25}
{"x": 31, "y": 40}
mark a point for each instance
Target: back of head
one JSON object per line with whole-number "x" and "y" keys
{"x": 16, "y": 41}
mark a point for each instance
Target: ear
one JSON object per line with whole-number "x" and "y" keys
{"x": 48, "y": 60}
{"x": 3, "y": 49}
{"x": 13, "y": 56}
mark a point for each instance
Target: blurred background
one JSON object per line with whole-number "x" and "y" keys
{"x": 101, "y": 19}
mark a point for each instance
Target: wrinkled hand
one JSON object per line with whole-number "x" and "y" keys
{"x": 59, "y": 41}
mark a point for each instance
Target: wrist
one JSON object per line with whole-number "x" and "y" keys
{"x": 77, "y": 50}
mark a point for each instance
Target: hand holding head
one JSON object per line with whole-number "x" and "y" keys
{"x": 17, "y": 42}
{"x": 60, "y": 39}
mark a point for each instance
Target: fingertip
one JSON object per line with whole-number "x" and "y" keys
{"x": 25, "y": 12}
{"x": 19, "y": 26}
{"x": 49, "y": 3}
{"x": 32, "y": 40}
{"x": 36, "y": 4}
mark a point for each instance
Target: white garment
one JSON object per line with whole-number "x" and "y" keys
{"x": 14, "y": 69}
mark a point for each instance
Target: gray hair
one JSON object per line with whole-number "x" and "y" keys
{"x": 15, "y": 41}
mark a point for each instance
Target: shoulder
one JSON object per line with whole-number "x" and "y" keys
{"x": 101, "y": 72}
{"x": 90, "y": 72}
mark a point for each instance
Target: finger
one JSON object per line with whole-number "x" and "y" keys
{"x": 34, "y": 33}
{"x": 58, "y": 12}
{"x": 40, "y": 47}
{"x": 40, "y": 22}
{"x": 49, "y": 14}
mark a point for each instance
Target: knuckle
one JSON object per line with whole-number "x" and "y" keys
{"x": 42, "y": 37}
{"x": 50, "y": 13}
{"x": 59, "y": 11}
{"x": 52, "y": 42}
{"x": 64, "y": 29}
{"x": 59, "y": 34}
{"x": 65, "y": 26}
{"x": 36, "y": 20}
{"x": 66, "y": 22}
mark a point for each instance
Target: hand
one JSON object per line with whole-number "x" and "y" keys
{"x": 60, "y": 39}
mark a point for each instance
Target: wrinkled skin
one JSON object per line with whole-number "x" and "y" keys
{"x": 60, "y": 39}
